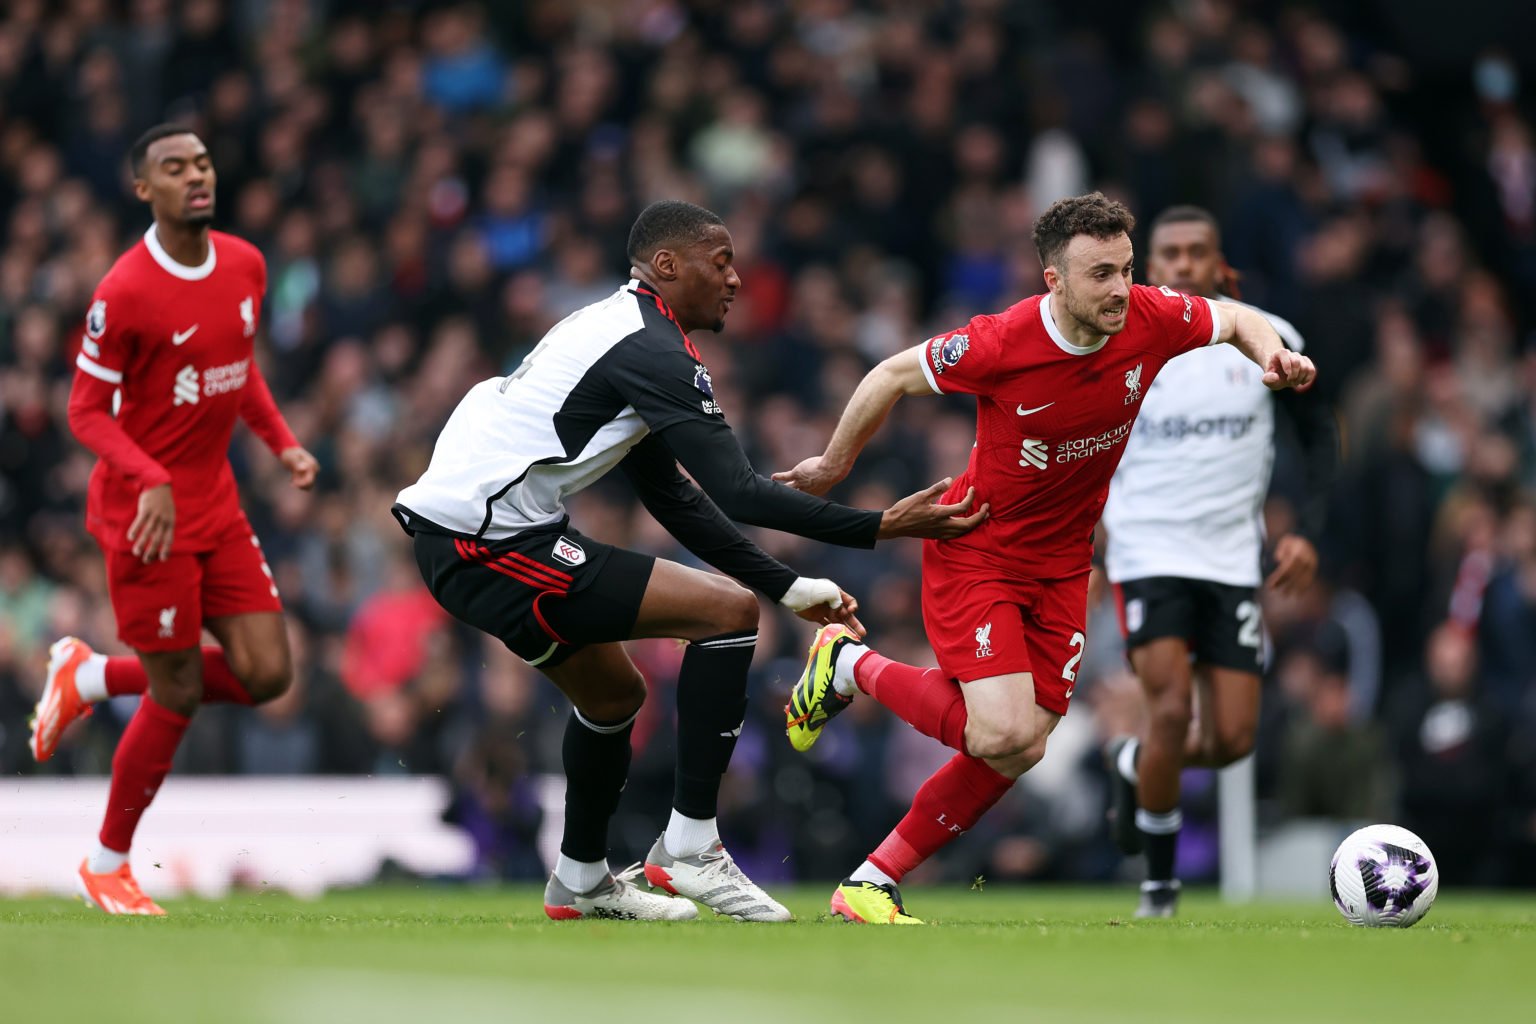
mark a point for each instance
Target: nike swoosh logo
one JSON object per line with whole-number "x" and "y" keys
{"x": 180, "y": 336}
{"x": 1028, "y": 412}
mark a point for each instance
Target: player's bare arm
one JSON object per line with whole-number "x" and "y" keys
{"x": 877, "y": 393}
{"x": 1252, "y": 335}
{"x": 901, "y": 374}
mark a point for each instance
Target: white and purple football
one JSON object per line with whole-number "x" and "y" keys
{"x": 1383, "y": 876}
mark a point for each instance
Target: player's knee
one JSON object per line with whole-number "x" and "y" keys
{"x": 265, "y": 677}
{"x": 1004, "y": 740}
{"x": 268, "y": 681}
{"x": 180, "y": 692}
{"x": 735, "y": 608}
{"x": 618, "y": 701}
{"x": 1232, "y": 744}
{"x": 1017, "y": 764}
{"x": 1169, "y": 714}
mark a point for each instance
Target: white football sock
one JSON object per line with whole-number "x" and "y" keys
{"x": 1154, "y": 823}
{"x": 105, "y": 861}
{"x": 580, "y": 876}
{"x": 867, "y": 872}
{"x": 1126, "y": 763}
{"x": 842, "y": 669}
{"x": 689, "y": 837}
{"x": 91, "y": 678}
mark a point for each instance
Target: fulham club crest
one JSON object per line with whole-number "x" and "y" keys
{"x": 569, "y": 552}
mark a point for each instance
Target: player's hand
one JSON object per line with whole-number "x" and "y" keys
{"x": 1295, "y": 565}
{"x": 302, "y": 467}
{"x": 151, "y": 530}
{"x": 822, "y": 601}
{"x": 816, "y": 475}
{"x": 826, "y": 614}
{"x": 1289, "y": 369}
{"x": 921, "y": 515}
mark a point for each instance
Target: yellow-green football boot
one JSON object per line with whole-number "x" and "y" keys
{"x": 869, "y": 903}
{"x": 815, "y": 701}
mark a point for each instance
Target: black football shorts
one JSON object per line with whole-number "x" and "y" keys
{"x": 544, "y": 593}
{"x": 1221, "y": 623}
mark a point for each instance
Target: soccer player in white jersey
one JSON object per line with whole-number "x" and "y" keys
{"x": 1186, "y": 539}
{"x": 621, "y": 384}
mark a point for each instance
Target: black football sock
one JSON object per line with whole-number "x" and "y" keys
{"x": 596, "y": 759}
{"x": 711, "y": 705}
{"x": 1161, "y": 832}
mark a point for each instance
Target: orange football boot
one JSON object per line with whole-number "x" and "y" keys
{"x": 60, "y": 703}
{"x": 116, "y": 892}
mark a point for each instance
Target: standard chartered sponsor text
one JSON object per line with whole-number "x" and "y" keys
{"x": 218, "y": 380}
{"x": 1085, "y": 447}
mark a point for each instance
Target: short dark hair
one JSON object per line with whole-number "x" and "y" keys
{"x": 1093, "y": 214}
{"x": 667, "y": 222}
{"x": 1187, "y": 214}
{"x": 141, "y": 145}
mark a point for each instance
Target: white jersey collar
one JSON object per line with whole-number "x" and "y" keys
{"x": 175, "y": 269}
{"x": 1061, "y": 339}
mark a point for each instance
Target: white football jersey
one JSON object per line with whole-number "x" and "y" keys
{"x": 1188, "y": 497}
{"x": 598, "y": 383}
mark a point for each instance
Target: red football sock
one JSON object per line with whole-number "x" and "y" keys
{"x": 142, "y": 760}
{"x": 952, "y": 800}
{"x": 924, "y": 698}
{"x": 126, "y": 676}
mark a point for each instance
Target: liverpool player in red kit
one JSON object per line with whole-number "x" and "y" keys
{"x": 166, "y": 366}
{"x": 1059, "y": 379}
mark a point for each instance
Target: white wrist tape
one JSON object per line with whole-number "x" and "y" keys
{"x": 807, "y": 593}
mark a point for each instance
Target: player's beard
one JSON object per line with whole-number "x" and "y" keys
{"x": 1088, "y": 315}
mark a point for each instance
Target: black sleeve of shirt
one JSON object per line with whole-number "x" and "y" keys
{"x": 1317, "y": 434}
{"x": 673, "y": 393}
{"x": 663, "y": 383}
{"x": 712, "y": 455}
{"x": 693, "y": 519}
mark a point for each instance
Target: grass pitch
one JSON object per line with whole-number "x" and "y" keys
{"x": 434, "y": 956}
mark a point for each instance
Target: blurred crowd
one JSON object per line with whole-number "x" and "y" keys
{"x": 436, "y": 184}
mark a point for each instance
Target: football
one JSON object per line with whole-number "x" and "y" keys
{"x": 1383, "y": 876}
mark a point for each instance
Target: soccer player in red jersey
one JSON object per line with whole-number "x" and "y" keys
{"x": 166, "y": 366}
{"x": 1059, "y": 379}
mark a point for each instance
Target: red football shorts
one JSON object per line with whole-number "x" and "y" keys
{"x": 982, "y": 626}
{"x": 161, "y": 606}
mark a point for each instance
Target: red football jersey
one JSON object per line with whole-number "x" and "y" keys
{"x": 1052, "y": 419}
{"x": 176, "y": 344}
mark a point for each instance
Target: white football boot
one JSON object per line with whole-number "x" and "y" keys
{"x": 615, "y": 898}
{"x": 713, "y": 879}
